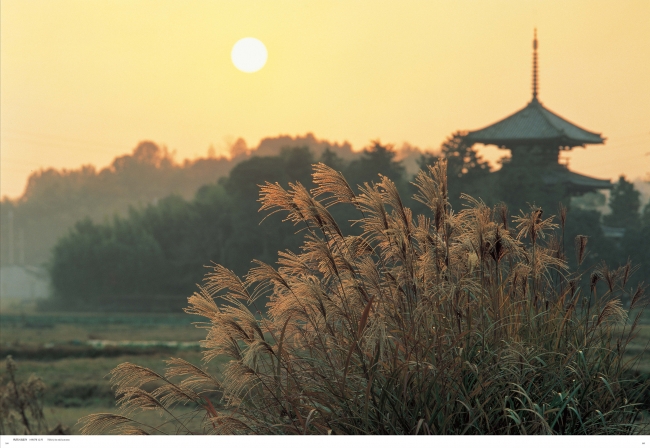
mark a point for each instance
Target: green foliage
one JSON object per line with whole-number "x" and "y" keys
{"x": 635, "y": 245}
{"x": 444, "y": 323}
{"x": 118, "y": 257}
{"x": 160, "y": 250}
{"x": 331, "y": 159}
{"x": 374, "y": 161}
{"x": 252, "y": 239}
{"x": 156, "y": 255}
{"x": 55, "y": 199}
{"x": 624, "y": 203}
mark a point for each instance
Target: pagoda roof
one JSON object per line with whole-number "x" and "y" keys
{"x": 578, "y": 182}
{"x": 534, "y": 124}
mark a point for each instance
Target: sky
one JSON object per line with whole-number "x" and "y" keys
{"x": 82, "y": 82}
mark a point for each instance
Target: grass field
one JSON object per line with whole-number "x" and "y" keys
{"x": 57, "y": 348}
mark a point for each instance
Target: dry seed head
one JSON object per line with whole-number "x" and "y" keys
{"x": 580, "y": 245}
{"x": 264, "y": 273}
{"x": 432, "y": 190}
{"x": 274, "y": 198}
{"x": 391, "y": 197}
{"x": 612, "y": 310}
{"x": 307, "y": 208}
{"x": 221, "y": 279}
{"x": 111, "y": 423}
{"x": 562, "y": 213}
{"x": 128, "y": 374}
{"x": 170, "y": 394}
{"x": 637, "y": 296}
{"x": 133, "y": 398}
{"x": 532, "y": 225}
{"x": 502, "y": 210}
{"x": 11, "y": 365}
{"x": 195, "y": 376}
{"x": 595, "y": 276}
{"x": 202, "y": 304}
{"x": 573, "y": 285}
{"x": 556, "y": 248}
{"x": 331, "y": 182}
{"x": 608, "y": 275}
{"x": 627, "y": 269}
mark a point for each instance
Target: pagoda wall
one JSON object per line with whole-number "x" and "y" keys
{"x": 539, "y": 155}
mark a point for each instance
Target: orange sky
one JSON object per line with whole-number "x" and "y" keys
{"x": 84, "y": 81}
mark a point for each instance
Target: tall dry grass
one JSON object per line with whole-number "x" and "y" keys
{"x": 452, "y": 323}
{"x": 21, "y": 404}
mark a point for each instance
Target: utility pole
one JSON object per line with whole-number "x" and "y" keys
{"x": 11, "y": 237}
{"x": 21, "y": 247}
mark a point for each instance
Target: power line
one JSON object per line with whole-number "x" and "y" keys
{"x": 60, "y": 137}
{"x": 65, "y": 146}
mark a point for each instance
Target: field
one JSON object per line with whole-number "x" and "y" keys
{"x": 73, "y": 353}
{"x": 641, "y": 344}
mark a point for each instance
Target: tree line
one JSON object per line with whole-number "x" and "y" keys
{"x": 55, "y": 199}
{"x": 160, "y": 251}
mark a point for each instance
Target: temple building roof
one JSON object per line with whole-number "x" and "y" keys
{"x": 534, "y": 124}
{"x": 579, "y": 183}
{"x": 535, "y": 135}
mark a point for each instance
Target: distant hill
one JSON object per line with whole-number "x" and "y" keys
{"x": 55, "y": 199}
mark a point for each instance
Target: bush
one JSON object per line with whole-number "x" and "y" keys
{"x": 21, "y": 405}
{"x": 447, "y": 324}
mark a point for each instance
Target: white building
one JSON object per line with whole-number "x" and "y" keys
{"x": 24, "y": 282}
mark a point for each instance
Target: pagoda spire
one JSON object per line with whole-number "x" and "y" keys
{"x": 535, "y": 68}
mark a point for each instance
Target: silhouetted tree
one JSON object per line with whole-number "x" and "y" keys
{"x": 333, "y": 160}
{"x": 624, "y": 203}
{"x": 636, "y": 243}
{"x": 374, "y": 160}
{"x": 161, "y": 248}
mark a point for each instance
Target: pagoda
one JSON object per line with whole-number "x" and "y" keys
{"x": 535, "y": 136}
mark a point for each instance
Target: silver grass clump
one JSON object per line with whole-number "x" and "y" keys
{"x": 451, "y": 323}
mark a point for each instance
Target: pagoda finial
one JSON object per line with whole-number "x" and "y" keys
{"x": 535, "y": 68}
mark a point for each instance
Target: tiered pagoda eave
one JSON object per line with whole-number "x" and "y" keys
{"x": 534, "y": 125}
{"x": 535, "y": 136}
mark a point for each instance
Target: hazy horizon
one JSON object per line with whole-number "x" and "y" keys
{"x": 83, "y": 82}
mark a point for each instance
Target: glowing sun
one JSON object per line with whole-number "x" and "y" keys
{"x": 249, "y": 54}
